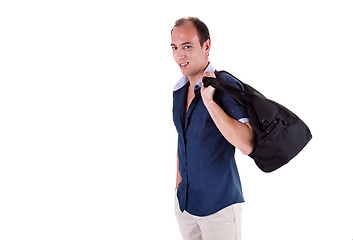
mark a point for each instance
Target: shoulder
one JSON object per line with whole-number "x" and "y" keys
{"x": 225, "y": 76}
{"x": 180, "y": 84}
{"x": 229, "y": 105}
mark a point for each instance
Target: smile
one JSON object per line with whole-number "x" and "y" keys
{"x": 183, "y": 65}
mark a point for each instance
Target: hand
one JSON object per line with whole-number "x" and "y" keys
{"x": 207, "y": 93}
{"x": 178, "y": 180}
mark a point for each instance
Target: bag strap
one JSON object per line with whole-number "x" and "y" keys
{"x": 229, "y": 89}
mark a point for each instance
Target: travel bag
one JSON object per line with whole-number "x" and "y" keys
{"x": 279, "y": 134}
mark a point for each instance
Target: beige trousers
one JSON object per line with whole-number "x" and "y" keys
{"x": 222, "y": 225}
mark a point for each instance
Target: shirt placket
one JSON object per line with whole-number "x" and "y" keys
{"x": 192, "y": 107}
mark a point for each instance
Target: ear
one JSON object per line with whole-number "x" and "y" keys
{"x": 207, "y": 46}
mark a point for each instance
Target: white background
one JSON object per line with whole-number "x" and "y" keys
{"x": 87, "y": 141}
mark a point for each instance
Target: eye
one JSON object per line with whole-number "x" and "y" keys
{"x": 187, "y": 47}
{"x": 174, "y": 48}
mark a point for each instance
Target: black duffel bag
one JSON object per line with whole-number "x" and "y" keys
{"x": 279, "y": 134}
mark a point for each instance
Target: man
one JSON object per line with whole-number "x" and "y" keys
{"x": 210, "y": 126}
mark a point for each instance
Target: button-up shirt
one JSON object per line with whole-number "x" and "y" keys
{"x": 210, "y": 178}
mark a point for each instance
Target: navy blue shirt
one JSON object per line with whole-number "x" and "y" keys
{"x": 210, "y": 178}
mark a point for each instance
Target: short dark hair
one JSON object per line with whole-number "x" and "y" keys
{"x": 202, "y": 29}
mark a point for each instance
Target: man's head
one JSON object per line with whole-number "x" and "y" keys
{"x": 202, "y": 29}
{"x": 190, "y": 41}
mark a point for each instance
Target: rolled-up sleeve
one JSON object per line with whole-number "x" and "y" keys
{"x": 230, "y": 106}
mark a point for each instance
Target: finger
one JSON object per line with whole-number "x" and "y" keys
{"x": 209, "y": 74}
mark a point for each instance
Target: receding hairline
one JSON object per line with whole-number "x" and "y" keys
{"x": 183, "y": 23}
{"x": 200, "y": 27}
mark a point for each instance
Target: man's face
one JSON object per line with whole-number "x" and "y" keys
{"x": 190, "y": 56}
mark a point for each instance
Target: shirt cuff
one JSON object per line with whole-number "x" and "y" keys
{"x": 243, "y": 120}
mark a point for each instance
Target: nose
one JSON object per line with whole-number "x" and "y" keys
{"x": 179, "y": 54}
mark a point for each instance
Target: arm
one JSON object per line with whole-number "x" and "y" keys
{"x": 240, "y": 135}
{"x": 178, "y": 178}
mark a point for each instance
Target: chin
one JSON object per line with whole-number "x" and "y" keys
{"x": 186, "y": 72}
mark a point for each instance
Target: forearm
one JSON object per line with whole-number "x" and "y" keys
{"x": 238, "y": 134}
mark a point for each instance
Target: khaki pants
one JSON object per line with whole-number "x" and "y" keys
{"x": 222, "y": 225}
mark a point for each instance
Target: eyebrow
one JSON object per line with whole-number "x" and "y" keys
{"x": 185, "y": 43}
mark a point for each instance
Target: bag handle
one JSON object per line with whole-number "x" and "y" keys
{"x": 225, "y": 87}
{"x": 242, "y": 96}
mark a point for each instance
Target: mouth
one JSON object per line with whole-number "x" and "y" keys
{"x": 183, "y": 65}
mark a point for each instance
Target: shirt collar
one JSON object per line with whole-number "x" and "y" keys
{"x": 184, "y": 80}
